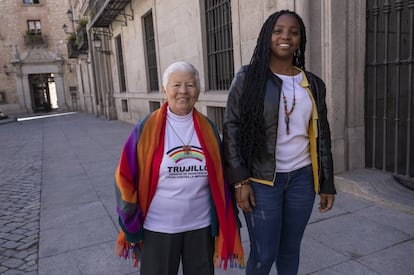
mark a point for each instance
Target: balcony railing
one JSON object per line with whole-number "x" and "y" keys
{"x": 82, "y": 38}
{"x": 73, "y": 51}
{"x": 104, "y": 12}
{"x": 35, "y": 40}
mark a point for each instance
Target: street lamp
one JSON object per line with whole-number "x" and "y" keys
{"x": 97, "y": 44}
{"x": 65, "y": 29}
{"x": 96, "y": 41}
{"x": 69, "y": 13}
{"x": 6, "y": 70}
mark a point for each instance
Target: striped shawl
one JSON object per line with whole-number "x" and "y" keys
{"x": 136, "y": 179}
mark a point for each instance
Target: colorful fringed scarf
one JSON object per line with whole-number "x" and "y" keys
{"x": 136, "y": 181}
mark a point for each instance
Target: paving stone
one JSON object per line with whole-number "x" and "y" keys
{"x": 6, "y": 229}
{"x": 28, "y": 266}
{"x": 11, "y": 244}
{"x": 3, "y": 269}
{"x": 18, "y": 231}
{"x": 13, "y": 237}
{"x": 28, "y": 245}
{"x": 21, "y": 255}
{"x": 3, "y": 258}
{"x": 13, "y": 263}
{"x": 9, "y": 253}
{"x": 15, "y": 225}
{"x": 12, "y": 272}
{"x": 32, "y": 257}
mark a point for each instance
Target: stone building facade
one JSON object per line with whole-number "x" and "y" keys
{"x": 118, "y": 64}
{"x": 139, "y": 39}
{"x": 36, "y": 73}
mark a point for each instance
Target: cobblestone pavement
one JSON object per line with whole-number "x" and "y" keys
{"x": 20, "y": 185}
{"x": 57, "y": 208}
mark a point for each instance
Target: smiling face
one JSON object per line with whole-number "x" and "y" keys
{"x": 285, "y": 38}
{"x": 181, "y": 92}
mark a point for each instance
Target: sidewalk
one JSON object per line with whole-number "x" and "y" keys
{"x": 369, "y": 231}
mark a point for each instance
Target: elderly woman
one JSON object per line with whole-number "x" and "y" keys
{"x": 173, "y": 203}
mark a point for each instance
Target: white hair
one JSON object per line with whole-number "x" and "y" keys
{"x": 180, "y": 66}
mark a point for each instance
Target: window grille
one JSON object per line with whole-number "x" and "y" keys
{"x": 216, "y": 114}
{"x": 151, "y": 53}
{"x": 28, "y": 2}
{"x": 2, "y": 97}
{"x": 389, "y": 87}
{"x": 124, "y": 105}
{"x": 33, "y": 27}
{"x": 219, "y": 44}
{"x": 154, "y": 105}
{"x": 120, "y": 64}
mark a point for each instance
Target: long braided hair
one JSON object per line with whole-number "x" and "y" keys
{"x": 252, "y": 134}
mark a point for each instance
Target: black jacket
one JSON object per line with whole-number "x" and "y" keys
{"x": 264, "y": 163}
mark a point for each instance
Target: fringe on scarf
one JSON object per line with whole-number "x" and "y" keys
{"x": 235, "y": 261}
{"x": 222, "y": 259}
{"x": 124, "y": 249}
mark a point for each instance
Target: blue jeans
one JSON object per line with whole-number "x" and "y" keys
{"x": 278, "y": 221}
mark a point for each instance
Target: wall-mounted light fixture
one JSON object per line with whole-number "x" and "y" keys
{"x": 6, "y": 70}
{"x": 65, "y": 29}
{"x": 72, "y": 19}
{"x": 69, "y": 13}
{"x": 97, "y": 44}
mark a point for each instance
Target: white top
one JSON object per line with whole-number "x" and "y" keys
{"x": 182, "y": 199}
{"x": 292, "y": 151}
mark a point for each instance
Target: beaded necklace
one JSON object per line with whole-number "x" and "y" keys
{"x": 288, "y": 113}
{"x": 186, "y": 146}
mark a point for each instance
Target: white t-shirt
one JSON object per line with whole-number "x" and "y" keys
{"x": 292, "y": 151}
{"x": 182, "y": 199}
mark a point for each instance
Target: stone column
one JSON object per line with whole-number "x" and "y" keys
{"x": 355, "y": 81}
{"x": 20, "y": 90}
{"x": 61, "y": 94}
{"x": 26, "y": 94}
{"x": 303, "y": 9}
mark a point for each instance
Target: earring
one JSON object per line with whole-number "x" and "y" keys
{"x": 296, "y": 56}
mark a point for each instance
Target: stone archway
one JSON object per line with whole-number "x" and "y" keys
{"x": 39, "y": 62}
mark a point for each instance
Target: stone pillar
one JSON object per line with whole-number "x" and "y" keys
{"x": 26, "y": 93}
{"x": 355, "y": 59}
{"x": 61, "y": 94}
{"x": 333, "y": 56}
{"x": 343, "y": 62}
{"x": 303, "y": 9}
{"x": 20, "y": 90}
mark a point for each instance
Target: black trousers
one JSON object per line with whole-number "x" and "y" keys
{"x": 162, "y": 252}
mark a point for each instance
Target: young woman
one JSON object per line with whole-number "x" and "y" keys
{"x": 277, "y": 145}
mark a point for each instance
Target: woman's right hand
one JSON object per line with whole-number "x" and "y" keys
{"x": 245, "y": 197}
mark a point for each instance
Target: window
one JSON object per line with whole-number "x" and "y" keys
{"x": 154, "y": 105}
{"x": 33, "y": 27}
{"x": 216, "y": 114}
{"x": 124, "y": 105}
{"x": 2, "y": 97}
{"x": 150, "y": 51}
{"x": 27, "y": 2}
{"x": 120, "y": 61}
{"x": 73, "y": 90}
{"x": 219, "y": 44}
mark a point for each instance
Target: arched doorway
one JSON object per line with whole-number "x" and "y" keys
{"x": 43, "y": 91}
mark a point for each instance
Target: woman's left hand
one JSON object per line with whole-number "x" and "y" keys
{"x": 326, "y": 202}
{"x": 245, "y": 198}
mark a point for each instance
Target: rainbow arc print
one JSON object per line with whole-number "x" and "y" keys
{"x": 178, "y": 153}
